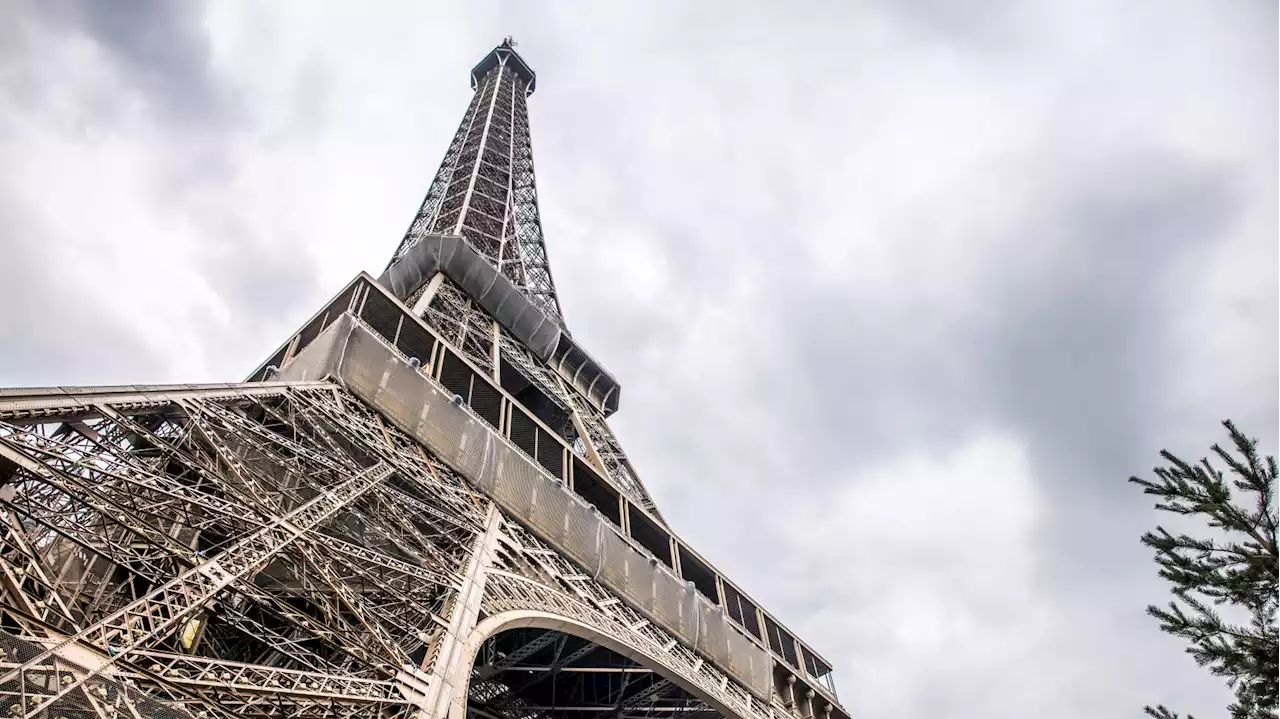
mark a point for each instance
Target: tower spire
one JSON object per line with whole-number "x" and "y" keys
{"x": 485, "y": 189}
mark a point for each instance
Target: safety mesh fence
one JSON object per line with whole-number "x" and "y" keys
{"x": 29, "y": 693}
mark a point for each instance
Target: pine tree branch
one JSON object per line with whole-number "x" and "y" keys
{"x": 1205, "y": 573}
{"x": 1162, "y": 712}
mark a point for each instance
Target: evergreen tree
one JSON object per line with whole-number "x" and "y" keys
{"x": 1234, "y": 563}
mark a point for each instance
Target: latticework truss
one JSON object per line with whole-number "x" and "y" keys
{"x": 485, "y": 189}
{"x": 462, "y": 323}
{"x": 416, "y": 509}
{"x": 273, "y": 543}
{"x": 281, "y": 550}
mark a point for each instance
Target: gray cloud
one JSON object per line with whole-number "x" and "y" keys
{"x": 161, "y": 48}
{"x": 157, "y": 57}
{"x": 1078, "y": 361}
{"x": 251, "y": 271}
{"x": 53, "y": 331}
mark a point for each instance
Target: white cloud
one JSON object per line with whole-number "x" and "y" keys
{"x": 925, "y": 567}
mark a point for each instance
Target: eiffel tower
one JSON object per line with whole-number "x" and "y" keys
{"x": 414, "y": 508}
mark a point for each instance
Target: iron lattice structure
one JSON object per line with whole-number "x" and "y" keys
{"x": 485, "y": 188}
{"x": 414, "y": 508}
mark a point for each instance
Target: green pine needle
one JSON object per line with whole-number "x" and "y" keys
{"x": 1238, "y": 568}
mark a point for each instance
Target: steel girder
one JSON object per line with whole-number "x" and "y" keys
{"x": 270, "y": 550}
{"x": 260, "y": 538}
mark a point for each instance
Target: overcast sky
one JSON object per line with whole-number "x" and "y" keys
{"x": 899, "y": 292}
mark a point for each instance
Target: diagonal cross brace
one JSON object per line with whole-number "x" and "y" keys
{"x": 539, "y": 677}
{"x": 47, "y": 677}
{"x": 214, "y": 678}
{"x": 357, "y": 559}
{"x": 518, "y": 655}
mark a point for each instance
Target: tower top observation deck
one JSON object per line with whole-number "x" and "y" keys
{"x": 505, "y": 54}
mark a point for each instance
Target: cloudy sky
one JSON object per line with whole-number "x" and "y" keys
{"x": 899, "y": 292}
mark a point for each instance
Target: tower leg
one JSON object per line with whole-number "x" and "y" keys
{"x": 434, "y": 698}
{"x": 420, "y": 306}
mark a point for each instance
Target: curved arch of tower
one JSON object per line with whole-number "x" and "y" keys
{"x": 414, "y": 508}
{"x": 519, "y": 656}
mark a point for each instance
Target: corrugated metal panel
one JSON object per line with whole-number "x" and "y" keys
{"x": 381, "y": 314}
{"x": 781, "y": 641}
{"x": 549, "y": 514}
{"x": 399, "y": 391}
{"x": 550, "y": 454}
{"x": 617, "y": 563}
{"x": 455, "y": 375}
{"x": 648, "y": 535}
{"x": 514, "y": 487}
{"x": 713, "y": 628}
{"x": 677, "y": 608}
{"x": 524, "y": 431}
{"x": 473, "y": 458}
{"x": 414, "y": 341}
{"x": 596, "y": 491}
{"x": 362, "y": 363}
{"x": 742, "y": 656}
{"x": 487, "y": 402}
{"x": 583, "y": 530}
{"x": 810, "y": 663}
